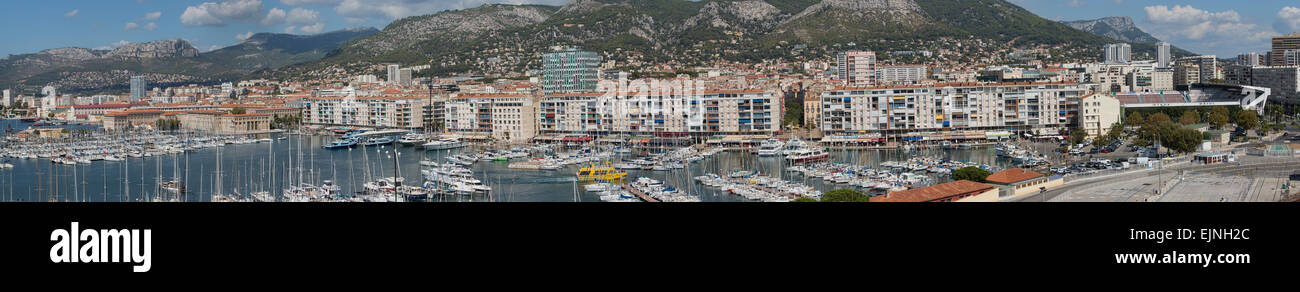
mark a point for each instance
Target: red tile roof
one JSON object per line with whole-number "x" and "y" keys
{"x": 936, "y": 192}
{"x": 1012, "y": 176}
{"x": 129, "y": 112}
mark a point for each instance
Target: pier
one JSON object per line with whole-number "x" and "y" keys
{"x": 638, "y": 193}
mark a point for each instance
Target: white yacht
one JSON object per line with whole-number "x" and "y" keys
{"x": 444, "y": 144}
{"x": 770, "y": 148}
{"x": 412, "y": 139}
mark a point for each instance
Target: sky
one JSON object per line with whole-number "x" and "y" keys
{"x": 1224, "y": 28}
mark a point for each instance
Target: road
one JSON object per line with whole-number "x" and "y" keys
{"x": 1126, "y": 180}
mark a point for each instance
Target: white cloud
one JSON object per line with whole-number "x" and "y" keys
{"x": 152, "y": 16}
{"x": 1074, "y": 3}
{"x": 289, "y": 29}
{"x": 311, "y": 2}
{"x": 151, "y": 26}
{"x": 1180, "y": 14}
{"x": 244, "y": 36}
{"x": 313, "y": 29}
{"x": 131, "y": 26}
{"x": 217, "y": 14}
{"x": 209, "y": 48}
{"x": 72, "y": 13}
{"x": 273, "y": 17}
{"x": 1288, "y": 20}
{"x": 1222, "y": 32}
{"x": 299, "y": 16}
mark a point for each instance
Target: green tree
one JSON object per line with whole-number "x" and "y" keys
{"x": 1247, "y": 119}
{"x": 1157, "y": 118}
{"x": 804, "y": 199}
{"x": 1116, "y": 131}
{"x": 970, "y": 173}
{"x": 238, "y": 111}
{"x": 1173, "y": 136}
{"x": 1190, "y": 117}
{"x": 844, "y": 195}
{"x": 1077, "y": 136}
{"x": 1218, "y": 120}
{"x": 1134, "y": 119}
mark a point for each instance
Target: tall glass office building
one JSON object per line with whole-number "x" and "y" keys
{"x": 138, "y": 87}
{"x": 570, "y": 70}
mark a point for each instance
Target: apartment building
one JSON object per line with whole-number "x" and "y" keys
{"x": 856, "y": 68}
{"x": 375, "y": 112}
{"x": 903, "y": 74}
{"x": 1098, "y": 113}
{"x": 905, "y": 110}
{"x": 700, "y": 113}
{"x": 503, "y": 117}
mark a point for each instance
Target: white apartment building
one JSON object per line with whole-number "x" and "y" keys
{"x": 394, "y": 74}
{"x": 376, "y": 112}
{"x": 508, "y": 118}
{"x": 702, "y": 113}
{"x": 366, "y": 78}
{"x": 1119, "y": 53}
{"x": 1099, "y": 113}
{"x": 1162, "y": 80}
{"x": 905, "y": 110}
{"x": 906, "y": 74}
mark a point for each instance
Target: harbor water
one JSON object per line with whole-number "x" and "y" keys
{"x": 296, "y": 159}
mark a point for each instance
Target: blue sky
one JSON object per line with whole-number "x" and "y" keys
{"x": 1225, "y": 28}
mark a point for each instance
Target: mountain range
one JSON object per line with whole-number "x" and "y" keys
{"x": 503, "y": 38}
{"x": 165, "y": 62}
{"x": 508, "y": 38}
{"x": 1115, "y": 27}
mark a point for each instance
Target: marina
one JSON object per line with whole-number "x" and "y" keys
{"x": 286, "y": 167}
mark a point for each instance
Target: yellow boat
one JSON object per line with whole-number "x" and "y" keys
{"x": 599, "y": 173}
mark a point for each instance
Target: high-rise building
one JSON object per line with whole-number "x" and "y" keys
{"x": 570, "y": 70}
{"x": 1289, "y": 58}
{"x": 1208, "y": 64}
{"x": 1162, "y": 55}
{"x": 1185, "y": 74}
{"x": 394, "y": 74}
{"x": 1280, "y": 45}
{"x": 138, "y": 88}
{"x": 857, "y": 68}
{"x": 1250, "y": 59}
{"x": 1121, "y": 53}
{"x": 404, "y": 76}
{"x": 8, "y": 101}
{"x": 49, "y": 91}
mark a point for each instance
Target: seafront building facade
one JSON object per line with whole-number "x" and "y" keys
{"x": 373, "y": 112}
{"x": 510, "y": 118}
{"x": 723, "y": 112}
{"x": 905, "y": 112}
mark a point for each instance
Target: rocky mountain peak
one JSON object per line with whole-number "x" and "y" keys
{"x": 155, "y": 49}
